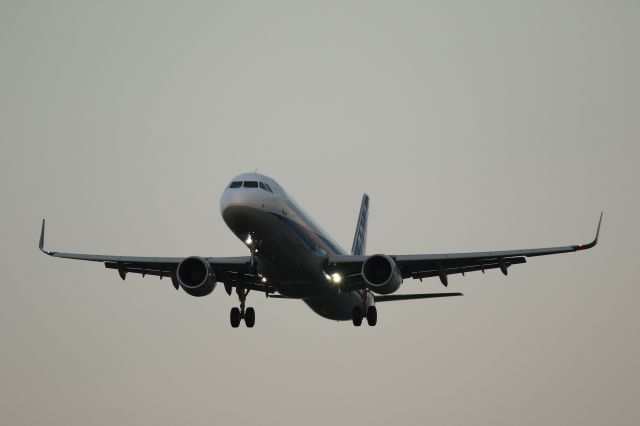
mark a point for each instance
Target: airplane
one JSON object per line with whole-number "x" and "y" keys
{"x": 291, "y": 257}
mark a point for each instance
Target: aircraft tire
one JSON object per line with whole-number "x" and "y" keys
{"x": 234, "y": 317}
{"x": 372, "y": 316}
{"x": 250, "y": 317}
{"x": 357, "y": 316}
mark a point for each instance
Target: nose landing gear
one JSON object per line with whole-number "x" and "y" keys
{"x": 238, "y": 314}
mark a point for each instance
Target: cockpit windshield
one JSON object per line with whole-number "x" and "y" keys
{"x": 251, "y": 184}
{"x": 265, "y": 186}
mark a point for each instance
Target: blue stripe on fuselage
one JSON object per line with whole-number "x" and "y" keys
{"x": 312, "y": 240}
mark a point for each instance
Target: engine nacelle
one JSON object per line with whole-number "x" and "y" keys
{"x": 381, "y": 274}
{"x": 195, "y": 276}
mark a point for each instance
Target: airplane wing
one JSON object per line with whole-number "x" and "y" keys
{"x": 232, "y": 271}
{"x": 442, "y": 265}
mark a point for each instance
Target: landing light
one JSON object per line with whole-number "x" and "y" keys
{"x": 336, "y": 278}
{"x": 264, "y": 279}
{"x": 249, "y": 240}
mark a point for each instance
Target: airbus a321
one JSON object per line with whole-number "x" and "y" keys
{"x": 291, "y": 257}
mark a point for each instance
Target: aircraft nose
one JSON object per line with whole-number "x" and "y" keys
{"x": 233, "y": 198}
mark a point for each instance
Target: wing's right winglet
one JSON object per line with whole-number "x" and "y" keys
{"x": 595, "y": 240}
{"x": 41, "y": 243}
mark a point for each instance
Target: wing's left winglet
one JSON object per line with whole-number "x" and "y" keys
{"x": 41, "y": 243}
{"x": 595, "y": 240}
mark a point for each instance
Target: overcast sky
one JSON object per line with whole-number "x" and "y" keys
{"x": 472, "y": 126}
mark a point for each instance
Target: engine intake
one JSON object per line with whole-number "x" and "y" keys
{"x": 381, "y": 274}
{"x": 195, "y": 276}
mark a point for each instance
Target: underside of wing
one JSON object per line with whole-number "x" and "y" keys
{"x": 232, "y": 271}
{"x": 441, "y": 265}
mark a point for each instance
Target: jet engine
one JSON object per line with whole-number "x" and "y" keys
{"x": 195, "y": 276}
{"x": 381, "y": 274}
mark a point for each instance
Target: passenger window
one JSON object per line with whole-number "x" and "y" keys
{"x": 250, "y": 184}
{"x": 263, "y": 186}
{"x": 236, "y": 184}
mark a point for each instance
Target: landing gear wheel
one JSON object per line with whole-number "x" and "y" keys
{"x": 372, "y": 315}
{"x": 234, "y": 317}
{"x": 250, "y": 317}
{"x": 357, "y": 316}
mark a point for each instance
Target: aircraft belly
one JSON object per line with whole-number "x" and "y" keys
{"x": 338, "y": 307}
{"x": 291, "y": 257}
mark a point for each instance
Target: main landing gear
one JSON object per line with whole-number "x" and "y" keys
{"x": 371, "y": 314}
{"x": 238, "y": 314}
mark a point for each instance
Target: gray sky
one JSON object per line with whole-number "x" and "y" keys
{"x": 473, "y": 126}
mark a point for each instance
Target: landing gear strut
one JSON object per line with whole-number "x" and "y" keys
{"x": 238, "y": 314}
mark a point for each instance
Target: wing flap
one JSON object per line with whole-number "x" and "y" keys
{"x": 461, "y": 268}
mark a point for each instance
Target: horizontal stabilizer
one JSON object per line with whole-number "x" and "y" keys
{"x": 393, "y": 297}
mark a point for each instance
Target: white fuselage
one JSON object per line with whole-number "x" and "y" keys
{"x": 290, "y": 248}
